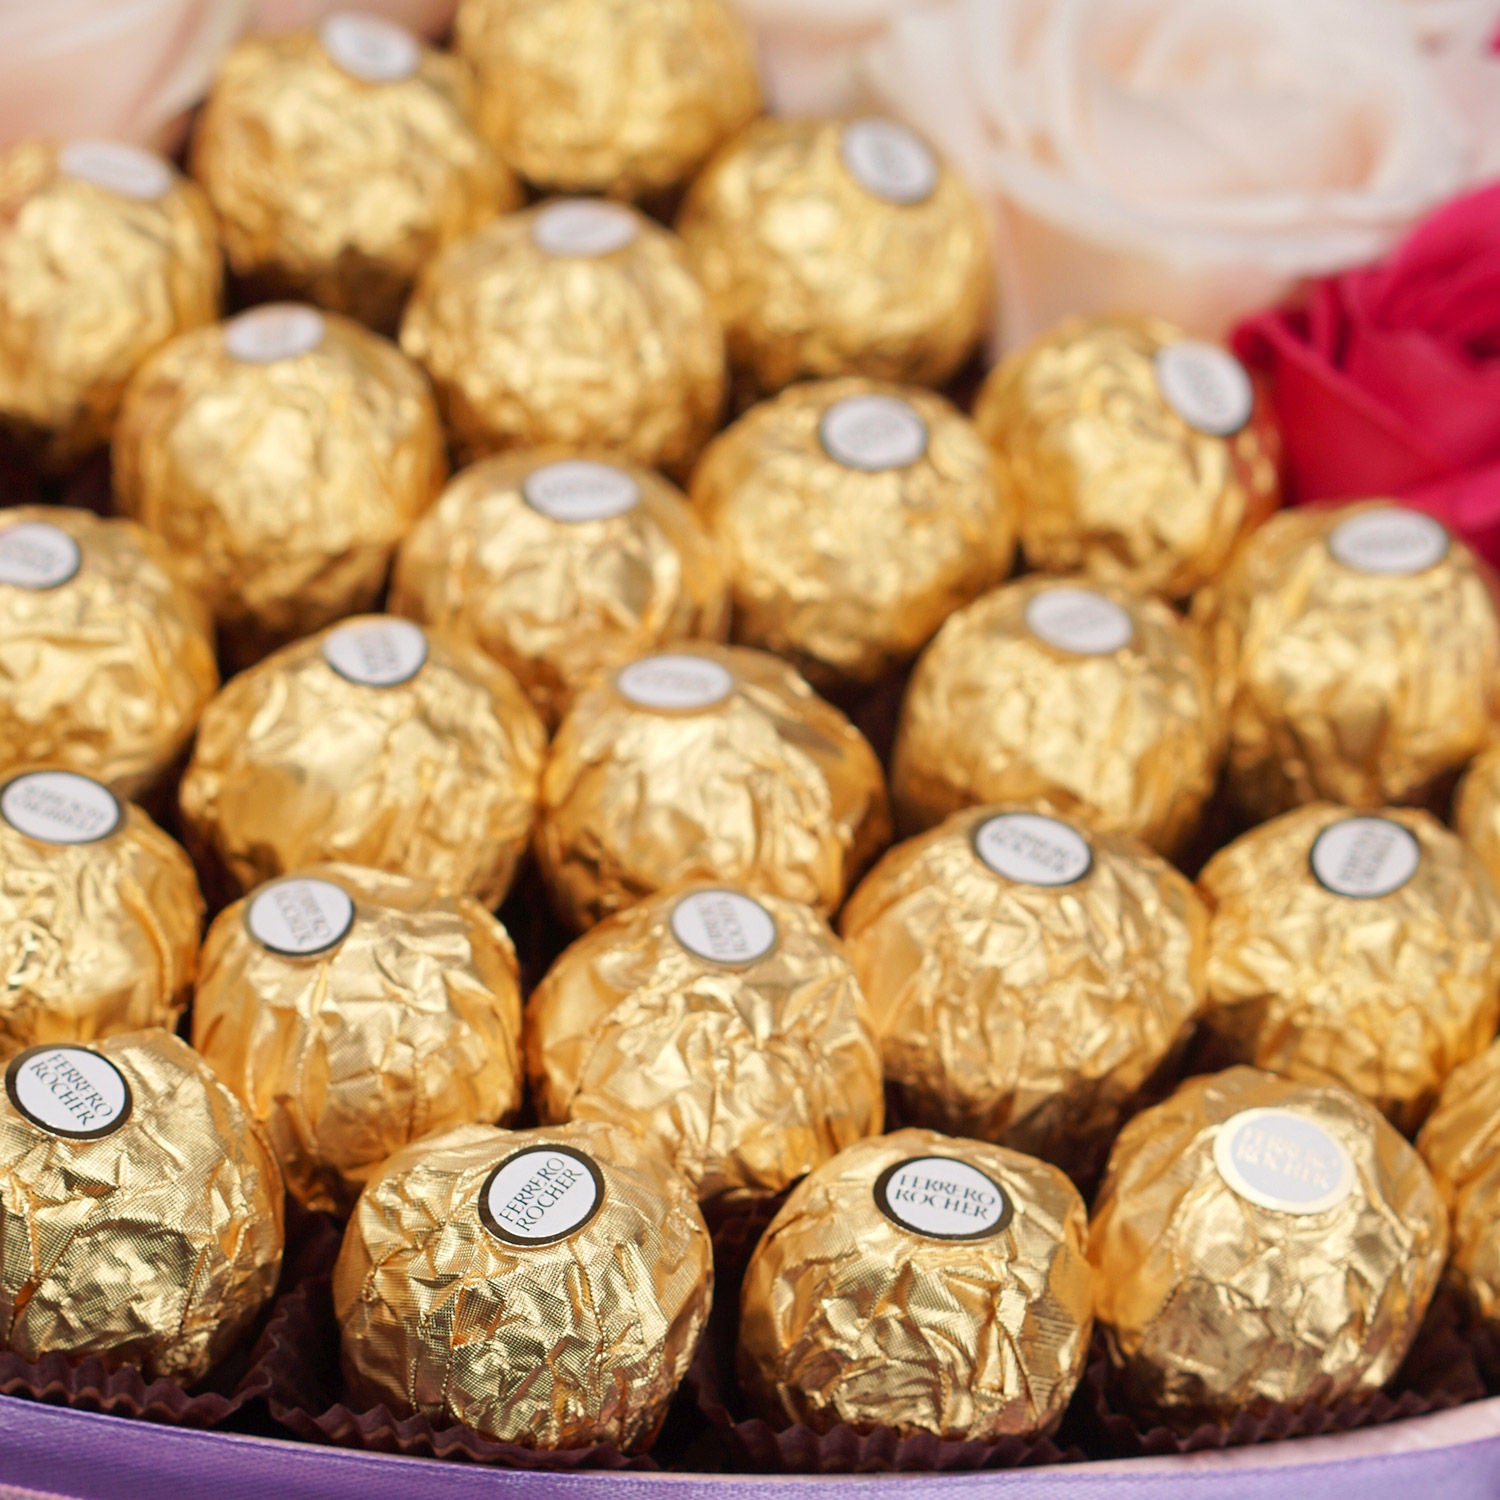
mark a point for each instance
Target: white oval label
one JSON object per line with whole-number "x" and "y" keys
{"x": 1365, "y": 858}
{"x": 890, "y": 161}
{"x": 60, "y": 807}
{"x": 73, "y": 1092}
{"x": 300, "y": 916}
{"x": 1206, "y": 386}
{"x": 675, "y": 681}
{"x": 943, "y": 1199}
{"x": 37, "y": 555}
{"x": 126, "y": 171}
{"x": 370, "y": 48}
{"x": 376, "y": 652}
{"x": 541, "y": 1195}
{"x": 280, "y": 330}
{"x": 1281, "y": 1160}
{"x": 1389, "y": 543}
{"x": 873, "y": 433}
{"x": 579, "y": 490}
{"x": 1033, "y": 850}
{"x": 1079, "y": 621}
{"x": 583, "y": 226}
{"x": 723, "y": 927}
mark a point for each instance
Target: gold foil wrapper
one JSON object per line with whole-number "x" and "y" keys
{"x": 562, "y": 565}
{"x": 1364, "y": 687}
{"x": 1029, "y": 981}
{"x": 1476, "y": 810}
{"x": 541, "y": 1287}
{"x": 855, "y": 1312}
{"x": 337, "y": 187}
{"x": 1298, "y": 1271}
{"x": 721, "y": 765}
{"x": 141, "y": 1209}
{"x": 92, "y": 280}
{"x": 855, "y": 517}
{"x": 1121, "y": 733}
{"x": 628, "y": 97}
{"x": 1322, "y": 966}
{"x": 106, "y": 656}
{"x": 1131, "y": 453}
{"x": 814, "y": 274}
{"x": 353, "y": 1012}
{"x": 281, "y": 484}
{"x": 434, "y": 775}
{"x": 605, "y": 341}
{"x": 730, "y": 1031}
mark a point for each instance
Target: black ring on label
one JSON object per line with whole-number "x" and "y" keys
{"x": 523, "y": 1242}
{"x": 327, "y": 947}
{"x": 37, "y": 838}
{"x": 378, "y": 687}
{"x": 20, "y": 1060}
{"x": 1034, "y": 885}
{"x": 883, "y": 1182}
{"x": 1312, "y": 867}
{"x": 738, "y": 965}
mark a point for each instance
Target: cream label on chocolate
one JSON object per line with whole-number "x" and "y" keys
{"x": 1389, "y": 543}
{"x": 126, "y": 171}
{"x": 890, "y": 161}
{"x": 1033, "y": 850}
{"x": 1079, "y": 621}
{"x": 723, "y": 927}
{"x": 1365, "y": 857}
{"x": 69, "y": 1091}
{"x": 279, "y": 330}
{"x": 37, "y": 555}
{"x": 300, "y": 916}
{"x": 378, "y": 652}
{"x": 541, "y": 1195}
{"x": 943, "y": 1199}
{"x": 579, "y": 490}
{"x": 674, "y": 680}
{"x": 1206, "y": 386}
{"x": 60, "y": 807}
{"x": 584, "y": 226}
{"x": 873, "y": 433}
{"x": 1281, "y": 1160}
{"x": 370, "y": 48}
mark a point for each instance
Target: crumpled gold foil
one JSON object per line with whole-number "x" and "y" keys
{"x": 1126, "y": 742}
{"x": 153, "y": 1245}
{"x": 847, "y": 1317}
{"x": 1360, "y": 689}
{"x": 337, "y": 189}
{"x": 814, "y": 275}
{"x": 107, "y": 672}
{"x": 1108, "y": 478}
{"x": 409, "y": 1025}
{"x": 844, "y": 570}
{"x": 1212, "y": 1304}
{"x": 559, "y": 601}
{"x": 1476, "y": 810}
{"x": 435, "y": 777}
{"x": 771, "y": 789}
{"x": 746, "y": 1075}
{"x": 91, "y": 282}
{"x": 627, "y": 97}
{"x": 527, "y": 348}
{"x": 282, "y": 487}
{"x": 1385, "y": 994}
{"x": 558, "y": 1345}
{"x": 1029, "y": 1014}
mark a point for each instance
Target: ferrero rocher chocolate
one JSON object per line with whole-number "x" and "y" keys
{"x": 99, "y": 914}
{"x": 1260, "y": 1243}
{"x": 142, "y": 1205}
{"x": 375, "y": 743}
{"x": 834, "y": 247}
{"x": 105, "y": 254}
{"x": 728, "y": 1029}
{"x": 106, "y": 656}
{"x": 1359, "y": 947}
{"x": 1029, "y": 980}
{"x": 541, "y": 1287}
{"x": 562, "y": 565}
{"x": 339, "y": 161}
{"x": 1357, "y": 655}
{"x": 855, "y": 517}
{"x": 576, "y": 322}
{"x": 1086, "y": 698}
{"x": 352, "y": 1012}
{"x": 1132, "y": 452}
{"x": 921, "y": 1283}
{"x": 625, "y": 97}
{"x": 1476, "y": 810}
{"x": 282, "y": 455}
{"x": 706, "y": 763}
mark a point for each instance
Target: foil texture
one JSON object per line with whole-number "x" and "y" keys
{"x": 628, "y": 97}
{"x": 847, "y": 573}
{"x": 1108, "y": 479}
{"x": 282, "y": 487}
{"x": 848, "y": 1318}
{"x": 1211, "y": 1304}
{"x": 746, "y": 1076}
{"x": 435, "y": 777}
{"x": 91, "y": 283}
{"x": 559, "y": 602}
{"x": 410, "y": 1025}
{"x": 1384, "y": 995}
{"x": 1030, "y": 1015}
{"x": 1476, "y": 810}
{"x": 552, "y": 1346}
{"x": 526, "y": 348}
{"x": 813, "y": 275}
{"x": 1125, "y": 742}
{"x": 1345, "y": 687}
{"x": 154, "y": 1246}
{"x": 772, "y": 789}
{"x": 107, "y": 673}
